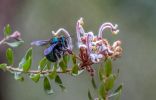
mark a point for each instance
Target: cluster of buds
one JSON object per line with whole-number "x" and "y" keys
{"x": 95, "y": 48}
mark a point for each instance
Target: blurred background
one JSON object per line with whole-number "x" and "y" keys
{"x": 35, "y": 19}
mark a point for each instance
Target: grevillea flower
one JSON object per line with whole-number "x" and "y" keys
{"x": 95, "y": 48}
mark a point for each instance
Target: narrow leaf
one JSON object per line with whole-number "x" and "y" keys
{"x": 7, "y": 30}
{"x": 52, "y": 75}
{"x": 101, "y": 73}
{"x": 90, "y": 96}
{"x": 27, "y": 64}
{"x": 109, "y": 83}
{"x": 28, "y": 53}
{"x": 118, "y": 91}
{"x": 18, "y": 77}
{"x": 42, "y": 63}
{"x": 62, "y": 87}
{"x": 102, "y": 91}
{"x": 63, "y": 66}
{"x": 119, "y": 88}
{"x": 26, "y": 57}
{"x": 14, "y": 44}
{"x": 66, "y": 59}
{"x": 58, "y": 80}
{"x": 108, "y": 67}
{"x": 74, "y": 59}
{"x": 75, "y": 69}
{"x": 79, "y": 72}
{"x": 93, "y": 83}
{"x": 3, "y": 66}
{"x": 48, "y": 66}
{"x": 10, "y": 56}
{"x": 35, "y": 77}
{"x": 47, "y": 86}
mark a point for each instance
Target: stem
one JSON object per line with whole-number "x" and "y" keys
{"x": 12, "y": 69}
{"x": 4, "y": 39}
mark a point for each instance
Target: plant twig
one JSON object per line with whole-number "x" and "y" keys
{"x": 4, "y": 39}
{"x": 12, "y": 69}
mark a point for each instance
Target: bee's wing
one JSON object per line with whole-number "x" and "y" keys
{"x": 49, "y": 49}
{"x": 40, "y": 42}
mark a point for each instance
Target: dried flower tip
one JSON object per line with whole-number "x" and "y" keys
{"x": 53, "y": 33}
{"x": 80, "y": 21}
{"x": 60, "y": 31}
{"x": 110, "y": 26}
{"x": 79, "y": 28}
{"x": 118, "y": 49}
{"x": 116, "y": 43}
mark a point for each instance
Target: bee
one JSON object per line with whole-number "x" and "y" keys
{"x": 58, "y": 46}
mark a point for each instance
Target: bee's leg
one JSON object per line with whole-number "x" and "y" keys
{"x": 57, "y": 54}
{"x": 67, "y": 51}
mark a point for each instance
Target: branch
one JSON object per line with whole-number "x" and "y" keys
{"x": 4, "y": 39}
{"x": 12, "y": 69}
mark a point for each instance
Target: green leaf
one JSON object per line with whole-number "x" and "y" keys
{"x": 28, "y": 53}
{"x": 47, "y": 86}
{"x": 117, "y": 92}
{"x": 26, "y": 57}
{"x": 42, "y": 63}
{"x": 109, "y": 83}
{"x": 55, "y": 66}
{"x": 14, "y": 44}
{"x": 3, "y": 66}
{"x": 18, "y": 77}
{"x": 66, "y": 59}
{"x": 108, "y": 67}
{"x": 35, "y": 77}
{"x": 58, "y": 80}
{"x": 63, "y": 66}
{"x": 48, "y": 66}
{"x": 74, "y": 58}
{"x": 27, "y": 64}
{"x": 93, "y": 83}
{"x": 10, "y": 56}
{"x": 90, "y": 96}
{"x": 79, "y": 72}
{"x": 101, "y": 73}
{"x": 102, "y": 91}
{"x": 7, "y": 30}
{"x": 119, "y": 88}
{"x": 52, "y": 75}
{"x": 62, "y": 87}
{"x": 75, "y": 69}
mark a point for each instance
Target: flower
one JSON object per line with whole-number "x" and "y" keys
{"x": 95, "y": 48}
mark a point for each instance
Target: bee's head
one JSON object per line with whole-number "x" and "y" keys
{"x": 54, "y": 40}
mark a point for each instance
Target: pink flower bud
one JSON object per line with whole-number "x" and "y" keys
{"x": 16, "y": 35}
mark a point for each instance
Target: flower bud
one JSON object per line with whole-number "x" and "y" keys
{"x": 16, "y": 35}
